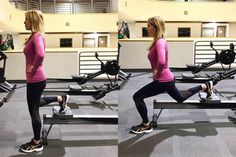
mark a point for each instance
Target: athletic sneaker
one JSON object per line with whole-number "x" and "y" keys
{"x": 63, "y": 103}
{"x": 31, "y": 147}
{"x": 141, "y": 129}
{"x": 209, "y": 89}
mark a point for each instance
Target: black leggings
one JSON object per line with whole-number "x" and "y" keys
{"x": 155, "y": 88}
{"x": 34, "y": 92}
{"x": 47, "y": 100}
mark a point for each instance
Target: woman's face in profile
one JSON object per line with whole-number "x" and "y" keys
{"x": 28, "y": 24}
{"x": 151, "y": 29}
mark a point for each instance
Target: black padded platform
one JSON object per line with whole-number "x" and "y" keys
{"x": 194, "y": 104}
{"x": 189, "y": 104}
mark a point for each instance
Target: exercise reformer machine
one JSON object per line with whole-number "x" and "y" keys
{"x": 203, "y": 103}
{"x": 225, "y": 57}
{"x": 111, "y": 68}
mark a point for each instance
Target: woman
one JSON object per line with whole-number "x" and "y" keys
{"x": 163, "y": 78}
{"x": 34, "y": 51}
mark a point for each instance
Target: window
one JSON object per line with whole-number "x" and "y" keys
{"x": 66, "y": 42}
{"x": 184, "y": 32}
{"x": 144, "y": 32}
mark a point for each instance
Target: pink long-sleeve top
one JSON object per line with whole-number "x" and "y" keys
{"x": 34, "y": 51}
{"x": 158, "y": 57}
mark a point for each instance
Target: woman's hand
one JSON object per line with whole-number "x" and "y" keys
{"x": 29, "y": 68}
{"x": 154, "y": 74}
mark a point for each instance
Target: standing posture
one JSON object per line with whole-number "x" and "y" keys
{"x": 163, "y": 78}
{"x": 34, "y": 51}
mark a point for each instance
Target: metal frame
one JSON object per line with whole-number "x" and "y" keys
{"x": 75, "y": 119}
{"x": 188, "y": 104}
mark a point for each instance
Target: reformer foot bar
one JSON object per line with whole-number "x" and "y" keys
{"x": 189, "y": 104}
{"x": 75, "y": 119}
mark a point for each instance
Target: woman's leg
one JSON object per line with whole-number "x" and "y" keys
{"x": 47, "y": 100}
{"x": 34, "y": 91}
{"x": 182, "y": 95}
{"x": 149, "y": 90}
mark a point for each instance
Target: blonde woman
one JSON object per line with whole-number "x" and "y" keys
{"x": 163, "y": 78}
{"x": 34, "y": 51}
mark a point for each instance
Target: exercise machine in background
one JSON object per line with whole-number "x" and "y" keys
{"x": 4, "y": 85}
{"x": 116, "y": 78}
{"x": 225, "y": 57}
{"x": 110, "y": 68}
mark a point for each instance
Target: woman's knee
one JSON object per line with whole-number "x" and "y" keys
{"x": 137, "y": 99}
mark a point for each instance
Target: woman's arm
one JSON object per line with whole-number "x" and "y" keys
{"x": 40, "y": 51}
{"x": 161, "y": 59}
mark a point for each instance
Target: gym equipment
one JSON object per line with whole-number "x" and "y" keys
{"x": 8, "y": 43}
{"x": 225, "y": 57}
{"x": 4, "y": 85}
{"x": 123, "y": 32}
{"x": 189, "y": 104}
{"x": 8, "y": 96}
{"x": 203, "y": 103}
{"x": 74, "y": 119}
{"x": 110, "y": 68}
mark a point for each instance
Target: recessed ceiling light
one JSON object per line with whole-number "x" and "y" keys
{"x": 1, "y": 30}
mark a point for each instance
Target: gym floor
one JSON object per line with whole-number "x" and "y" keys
{"x": 180, "y": 133}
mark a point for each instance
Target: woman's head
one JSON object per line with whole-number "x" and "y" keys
{"x": 156, "y": 27}
{"x": 34, "y": 21}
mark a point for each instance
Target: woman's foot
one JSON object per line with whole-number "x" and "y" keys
{"x": 63, "y": 103}
{"x": 209, "y": 89}
{"x": 32, "y": 146}
{"x": 142, "y": 128}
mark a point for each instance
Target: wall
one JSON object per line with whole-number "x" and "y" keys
{"x": 58, "y": 62}
{"x": 171, "y": 29}
{"x": 86, "y": 22}
{"x": 130, "y": 10}
{"x": 131, "y": 48}
{"x": 232, "y": 30}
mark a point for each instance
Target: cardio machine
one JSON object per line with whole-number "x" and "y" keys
{"x": 110, "y": 68}
{"x": 225, "y": 57}
{"x": 4, "y": 85}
